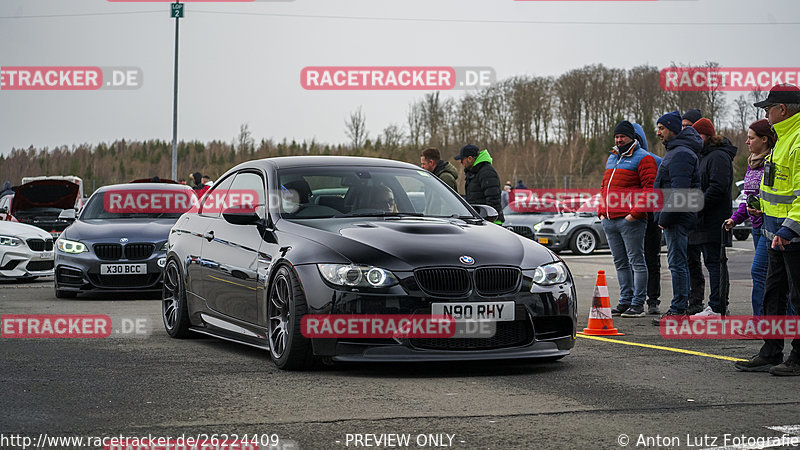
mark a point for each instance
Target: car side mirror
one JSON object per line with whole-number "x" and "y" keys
{"x": 241, "y": 216}
{"x": 67, "y": 214}
{"x": 486, "y": 212}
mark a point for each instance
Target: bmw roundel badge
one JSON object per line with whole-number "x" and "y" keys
{"x": 123, "y": 240}
{"x": 468, "y": 260}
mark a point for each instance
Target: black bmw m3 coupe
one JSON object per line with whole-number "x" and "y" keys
{"x": 329, "y": 236}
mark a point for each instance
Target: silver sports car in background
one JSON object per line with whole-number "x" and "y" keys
{"x": 26, "y": 252}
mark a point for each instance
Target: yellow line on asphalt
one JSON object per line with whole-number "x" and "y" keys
{"x": 659, "y": 347}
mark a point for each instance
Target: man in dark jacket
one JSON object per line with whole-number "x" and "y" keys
{"x": 715, "y": 165}
{"x": 678, "y": 170}
{"x": 481, "y": 182}
{"x": 431, "y": 160}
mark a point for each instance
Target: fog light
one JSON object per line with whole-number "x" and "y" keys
{"x": 162, "y": 262}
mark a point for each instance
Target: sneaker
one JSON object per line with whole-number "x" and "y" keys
{"x": 669, "y": 313}
{"x": 619, "y": 309}
{"x": 708, "y": 312}
{"x": 695, "y": 308}
{"x": 653, "y": 310}
{"x": 755, "y": 364}
{"x": 634, "y": 311}
{"x": 790, "y": 368}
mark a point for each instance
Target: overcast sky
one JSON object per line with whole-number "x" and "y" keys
{"x": 241, "y": 63}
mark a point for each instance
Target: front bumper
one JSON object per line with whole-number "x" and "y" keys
{"x": 553, "y": 241}
{"x": 544, "y": 324}
{"x": 22, "y": 262}
{"x": 81, "y": 273}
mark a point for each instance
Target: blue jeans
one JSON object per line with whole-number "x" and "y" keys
{"x": 677, "y": 243}
{"x": 626, "y": 240}
{"x": 759, "y": 273}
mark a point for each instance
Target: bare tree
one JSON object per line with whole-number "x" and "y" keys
{"x": 356, "y": 128}
{"x": 245, "y": 144}
{"x": 392, "y": 137}
{"x": 742, "y": 112}
{"x": 415, "y": 119}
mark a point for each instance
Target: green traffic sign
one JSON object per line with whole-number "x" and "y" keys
{"x": 177, "y": 10}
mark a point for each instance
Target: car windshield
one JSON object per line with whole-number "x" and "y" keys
{"x": 324, "y": 192}
{"x": 100, "y": 207}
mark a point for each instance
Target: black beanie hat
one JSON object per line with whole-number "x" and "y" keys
{"x": 692, "y": 115}
{"x": 625, "y": 128}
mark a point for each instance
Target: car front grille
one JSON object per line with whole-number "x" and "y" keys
{"x": 130, "y": 251}
{"x": 508, "y": 334}
{"x": 522, "y": 230}
{"x": 497, "y": 280}
{"x": 108, "y": 251}
{"x": 445, "y": 281}
{"x": 139, "y": 251}
{"x": 123, "y": 281}
{"x": 36, "y": 266}
{"x": 457, "y": 282}
{"x": 40, "y": 245}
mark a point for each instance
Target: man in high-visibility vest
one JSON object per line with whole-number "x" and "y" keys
{"x": 780, "y": 204}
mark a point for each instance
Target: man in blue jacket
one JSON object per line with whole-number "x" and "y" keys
{"x": 678, "y": 170}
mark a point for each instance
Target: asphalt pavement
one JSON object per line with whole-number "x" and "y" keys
{"x": 638, "y": 390}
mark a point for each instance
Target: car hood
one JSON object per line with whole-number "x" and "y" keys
{"x": 410, "y": 243}
{"x": 136, "y": 230}
{"x": 22, "y": 230}
{"x": 61, "y": 194}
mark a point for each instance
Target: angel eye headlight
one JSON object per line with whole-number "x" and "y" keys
{"x": 10, "y": 241}
{"x": 67, "y": 246}
{"x": 353, "y": 275}
{"x": 550, "y": 274}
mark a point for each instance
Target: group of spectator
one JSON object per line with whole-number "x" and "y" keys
{"x": 199, "y": 183}
{"x": 698, "y": 159}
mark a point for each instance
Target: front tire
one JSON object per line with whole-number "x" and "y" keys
{"x": 173, "y": 302}
{"x": 286, "y": 305}
{"x": 584, "y": 242}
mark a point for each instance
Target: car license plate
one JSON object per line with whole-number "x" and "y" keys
{"x": 478, "y": 311}
{"x": 123, "y": 269}
{"x": 46, "y": 255}
{"x": 544, "y": 240}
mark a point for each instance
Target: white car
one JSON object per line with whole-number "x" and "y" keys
{"x": 26, "y": 252}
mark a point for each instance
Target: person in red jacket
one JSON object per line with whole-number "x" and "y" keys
{"x": 629, "y": 169}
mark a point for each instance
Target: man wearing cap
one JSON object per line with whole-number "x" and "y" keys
{"x": 629, "y": 168}
{"x": 481, "y": 182}
{"x": 715, "y": 165}
{"x": 690, "y": 117}
{"x": 780, "y": 204}
{"x": 678, "y": 170}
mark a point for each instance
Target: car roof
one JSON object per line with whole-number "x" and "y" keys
{"x": 144, "y": 186}
{"x": 283, "y": 162}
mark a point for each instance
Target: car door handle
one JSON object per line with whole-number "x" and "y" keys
{"x": 209, "y": 236}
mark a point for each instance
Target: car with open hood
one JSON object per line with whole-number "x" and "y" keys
{"x": 118, "y": 241}
{"x": 39, "y": 201}
{"x": 366, "y": 240}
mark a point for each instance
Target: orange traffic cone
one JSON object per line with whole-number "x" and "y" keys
{"x": 600, "y": 321}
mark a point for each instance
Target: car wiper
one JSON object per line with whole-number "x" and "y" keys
{"x": 378, "y": 213}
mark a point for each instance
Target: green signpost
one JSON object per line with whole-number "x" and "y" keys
{"x": 177, "y": 10}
